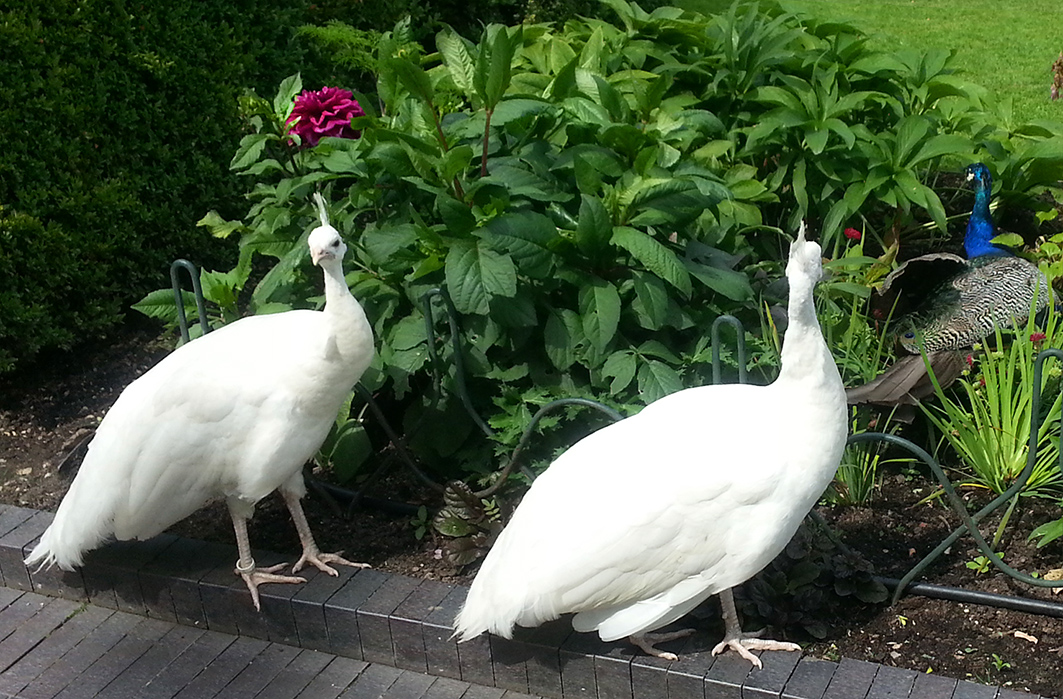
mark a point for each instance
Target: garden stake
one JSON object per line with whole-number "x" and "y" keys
{"x": 197, "y": 291}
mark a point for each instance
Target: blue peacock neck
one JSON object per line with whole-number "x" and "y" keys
{"x": 980, "y": 228}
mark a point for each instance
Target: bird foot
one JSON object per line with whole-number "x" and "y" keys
{"x": 321, "y": 561}
{"x": 743, "y": 643}
{"x": 257, "y": 576}
{"x": 647, "y": 641}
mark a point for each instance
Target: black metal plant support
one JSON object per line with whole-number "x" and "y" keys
{"x": 197, "y": 291}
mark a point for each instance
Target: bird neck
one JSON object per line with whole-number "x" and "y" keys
{"x": 351, "y": 332}
{"x": 980, "y": 228}
{"x": 804, "y": 351}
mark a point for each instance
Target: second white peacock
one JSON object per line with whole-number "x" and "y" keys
{"x": 233, "y": 415}
{"x": 641, "y": 521}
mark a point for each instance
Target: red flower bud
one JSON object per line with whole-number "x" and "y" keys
{"x": 852, "y": 234}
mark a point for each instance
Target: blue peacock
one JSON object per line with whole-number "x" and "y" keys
{"x": 946, "y": 304}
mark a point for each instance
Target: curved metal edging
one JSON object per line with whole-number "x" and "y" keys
{"x": 970, "y": 521}
{"x": 197, "y": 291}
{"x": 740, "y": 331}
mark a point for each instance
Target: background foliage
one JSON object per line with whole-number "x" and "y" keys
{"x": 121, "y": 117}
{"x": 586, "y": 199}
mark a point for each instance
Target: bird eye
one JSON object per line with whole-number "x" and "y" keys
{"x": 909, "y": 335}
{"x": 336, "y": 243}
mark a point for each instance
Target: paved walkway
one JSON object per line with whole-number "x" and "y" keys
{"x": 167, "y": 618}
{"x": 54, "y": 647}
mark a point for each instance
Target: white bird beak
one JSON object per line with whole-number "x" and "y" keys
{"x": 318, "y": 255}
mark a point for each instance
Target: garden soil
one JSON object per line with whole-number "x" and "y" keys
{"x": 46, "y": 409}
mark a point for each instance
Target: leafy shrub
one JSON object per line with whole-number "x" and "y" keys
{"x": 566, "y": 210}
{"x": 42, "y": 303}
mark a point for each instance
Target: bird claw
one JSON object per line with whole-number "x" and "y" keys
{"x": 321, "y": 562}
{"x": 256, "y": 576}
{"x": 647, "y": 642}
{"x": 744, "y": 643}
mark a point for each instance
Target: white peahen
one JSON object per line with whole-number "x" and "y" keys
{"x": 638, "y": 523}
{"x": 233, "y": 415}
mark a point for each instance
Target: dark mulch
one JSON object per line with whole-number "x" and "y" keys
{"x": 44, "y": 409}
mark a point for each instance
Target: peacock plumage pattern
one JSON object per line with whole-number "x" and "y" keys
{"x": 990, "y": 292}
{"x": 947, "y": 304}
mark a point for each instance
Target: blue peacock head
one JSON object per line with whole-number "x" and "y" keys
{"x": 980, "y": 227}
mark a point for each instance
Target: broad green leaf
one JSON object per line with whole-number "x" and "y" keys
{"x": 219, "y": 227}
{"x": 527, "y": 237}
{"x": 515, "y": 312}
{"x": 512, "y": 109}
{"x": 475, "y": 273}
{"x": 620, "y": 366}
{"x": 563, "y": 334}
{"x": 160, "y": 304}
{"x": 282, "y": 276}
{"x": 1011, "y": 240}
{"x": 221, "y": 287}
{"x": 285, "y": 98}
{"x": 457, "y": 216}
{"x": 734, "y": 285}
{"x": 657, "y": 380}
{"x": 494, "y": 62}
{"x": 655, "y": 256}
{"x": 599, "y": 305}
{"x": 651, "y": 301}
{"x": 351, "y": 452}
{"x": 413, "y": 78}
{"x": 595, "y": 227}
{"x": 408, "y": 333}
{"x": 251, "y": 147}
{"x": 459, "y": 60}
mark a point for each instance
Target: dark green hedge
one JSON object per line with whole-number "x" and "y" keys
{"x": 119, "y": 121}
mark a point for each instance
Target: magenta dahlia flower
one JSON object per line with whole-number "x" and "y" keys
{"x": 324, "y": 112}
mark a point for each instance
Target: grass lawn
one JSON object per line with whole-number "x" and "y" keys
{"x": 1007, "y": 46}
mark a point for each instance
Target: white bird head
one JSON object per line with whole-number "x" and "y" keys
{"x": 806, "y": 258}
{"x": 325, "y": 241}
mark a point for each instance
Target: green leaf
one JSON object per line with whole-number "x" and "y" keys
{"x": 527, "y": 237}
{"x": 657, "y": 380}
{"x": 413, "y": 78}
{"x": 734, "y": 285}
{"x": 408, "y": 333}
{"x": 621, "y": 367}
{"x": 160, "y": 304}
{"x": 595, "y": 227}
{"x": 599, "y": 305}
{"x": 459, "y": 60}
{"x": 1011, "y": 240}
{"x": 219, "y": 227}
{"x": 494, "y": 64}
{"x": 654, "y": 255}
{"x": 563, "y": 334}
{"x": 351, "y": 452}
{"x": 1047, "y": 533}
{"x": 651, "y": 301}
{"x": 285, "y": 98}
{"x": 475, "y": 273}
{"x": 251, "y": 147}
